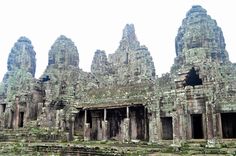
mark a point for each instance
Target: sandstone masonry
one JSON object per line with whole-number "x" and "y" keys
{"x": 122, "y": 98}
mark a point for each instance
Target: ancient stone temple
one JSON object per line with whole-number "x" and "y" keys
{"x": 122, "y": 98}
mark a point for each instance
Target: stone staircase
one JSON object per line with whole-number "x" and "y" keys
{"x": 32, "y": 134}
{"x": 31, "y": 139}
{"x": 10, "y": 135}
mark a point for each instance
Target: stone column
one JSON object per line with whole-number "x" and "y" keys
{"x": 188, "y": 127}
{"x": 145, "y": 124}
{"x": 158, "y": 126}
{"x": 57, "y": 119}
{"x": 104, "y": 130}
{"x": 175, "y": 124}
{"x": 105, "y": 126}
{"x": 86, "y": 128}
{"x": 219, "y": 126}
{"x": 26, "y": 116}
{"x": 154, "y": 119}
{"x": 126, "y": 130}
{"x": 209, "y": 124}
{"x": 152, "y": 127}
{"x": 1, "y": 109}
{"x": 10, "y": 118}
{"x": 182, "y": 126}
{"x": 133, "y": 125}
{"x": 126, "y": 127}
{"x": 127, "y": 112}
{"x": 204, "y": 125}
{"x": 72, "y": 126}
{"x": 105, "y": 114}
{"x": 16, "y": 114}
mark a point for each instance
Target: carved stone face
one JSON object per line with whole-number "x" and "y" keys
{"x": 64, "y": 52}
{"x": 22, "y": 56}
{"x": 193, "y": 38}
{"x": 199, "y": 36}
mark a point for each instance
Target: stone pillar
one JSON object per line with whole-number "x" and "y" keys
{"x": 10, "y": 118}
{"x": 86, "y": 127}
{"x": 104, "y": 130}
{"x": 126, "y": 127}
{"x": 57, "y": 119}
{"x": 105, "y": 114}
{"x": 127, "y": 112}
{"x": 126, "y": 130}
{"x": 209, "y": 124}
{"x": 133, "y": 125}
{"x": 72, "y": 128}
{"x": 105, "y": 126}
{"x": 219, "y": 134}
{"x": 188, "y": 127}
{"x": 175, "y": 124}
{"x": 145, "y": 124}
{"x": 26, "y": 115}
{"x": 99, "y": 129}
{"x": 87, "y": 132}
{"x": 154, "y": 119}
{"x": 152, "y": 127}
{"x": 204, "y": 125}
{"x": 182, "y": 128}
{"x": 16, "y": 114}
{"x": 1, "y": 109}
{"x": 158, "y": 126}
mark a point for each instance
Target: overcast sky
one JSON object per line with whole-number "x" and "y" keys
{"x": 98, "y": 24}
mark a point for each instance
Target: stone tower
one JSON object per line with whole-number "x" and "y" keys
{"x": 63, "y": 51}
{"x": 200, "y": 39}
{"x": 131, "y": 63}
{"x": 194, "y": 97}
{"x": 200, "y": 47}
{"x": 21, "y": 67}
{"x": 63, "y": 83}
{"x": 20, "y": 91}
{"x": 22, "y": 56}
{"x": 122, "y": 98}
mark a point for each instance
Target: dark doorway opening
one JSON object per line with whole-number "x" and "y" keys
{"x": 167, "y": 128}
{"x": 12, "y": 119}
{"x": 228, "y": 125}
{"x": 96, "y": 124}
{"x": 197, "y": 128}
{"x": 192, "y": 79}
{"x": 3, "y": 107}
{"x": 115, "y": 117}
{"x": 21, "y": 119}
{"x": 79, "y": 124}
{"x": 138, "y": 122}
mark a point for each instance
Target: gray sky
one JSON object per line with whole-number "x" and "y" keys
{"x": 98, "y": 24}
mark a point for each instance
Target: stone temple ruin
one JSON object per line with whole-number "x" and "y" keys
{"x": 122, "y": 98}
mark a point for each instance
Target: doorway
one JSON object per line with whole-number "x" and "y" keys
{"x": 197, "y": 128}
{"x": 21, "y": 119}
{"x": 167, "y": 128}
{"x": 228, "y": 125}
